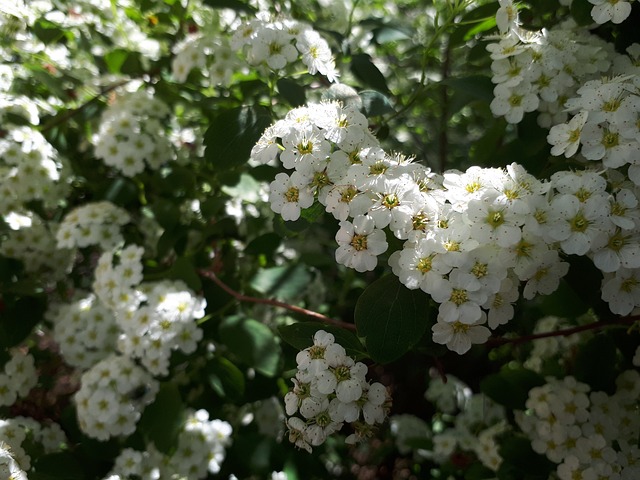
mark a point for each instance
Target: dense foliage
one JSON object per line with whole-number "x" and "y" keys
{"x": 319, "y": 239}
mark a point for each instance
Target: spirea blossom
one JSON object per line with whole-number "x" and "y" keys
{"x": 18, "y": 377}
{"x": 330, "y": 389}
{"x": 96, "y": 223}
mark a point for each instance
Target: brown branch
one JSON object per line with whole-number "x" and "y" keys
{"x": 55, "y": 121}
{"x": 265, "y": 301}
{"x": 495, "y": 342}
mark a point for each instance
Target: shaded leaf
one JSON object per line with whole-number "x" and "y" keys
{"x": 391, "y": 317}
{"x": 226, "y": 379}
{"x": 162, "y": 421}
{"x": 300, "y": 336}
{"x": 56, "y": 466}
{"x": 367, "y": 73}
{"x": 183, "y": 269}
{"x": 510, "y": 387}
{"x": 375, "y": 103}
{"x": 232, "y": 4}
{"x": 292, "y": 92}
{"x": 252, "y": 342}
{"x": 233, "y": 133}
{"x": 284, "y": 282}
{"x": 520, "y": 460}
{"x": 596, "y": 364}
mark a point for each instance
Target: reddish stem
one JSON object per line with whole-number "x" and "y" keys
{"x": 266, "y": 301}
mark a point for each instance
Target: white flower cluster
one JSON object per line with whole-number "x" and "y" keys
{"x": 605, "y": 126}
{"x": 18, "y": 377}
{"x": 31, "y": 241}
{"x": 96, "y": 223}
{"x": 154, "y": 318}
{"x": 469, "y": 425}
{"x": 202, "y": 51}
{"x": 330, "y": 389}
{"x": 201, "y": 450}
{"x": 19, "y": 432}
{"x": 538, "y": 71}
{"x": 112, "y": 396}
{"x": 589, "y": 434}
{"x": 85, "y": 330}
{"x": 471, "y": 238}
{"x": 278, "y": 43}
{"x": 30, "y": 169}
{"x": 132, "y": 134}
{"x": 550, "y": 347}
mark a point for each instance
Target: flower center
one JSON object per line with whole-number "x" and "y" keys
{"x": 459, "y": 296}
{"x": 359, "y": 242}
{"x": 292, "y": 194}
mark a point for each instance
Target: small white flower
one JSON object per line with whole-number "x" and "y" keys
{"x": 360, "y": 243}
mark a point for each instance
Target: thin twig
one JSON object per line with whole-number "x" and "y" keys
{"x": 494, "y": 342}
{"x": 266, "y": 301}
{"x": 55, "y": 121}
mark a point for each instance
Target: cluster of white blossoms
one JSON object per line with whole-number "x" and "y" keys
{"x": 264, "y": 42}
{"x": 154, "y": 318}
{"x": 18, "y": 377}
{"x": 201, "y": 449}
{"x": 85, "y": 330}
{"x": 471, "y": 239}
{"x": 112, "y": 397}
{"x": 9, "y": 468}
{"x": 277, "y": 43}
{"x": 615, "y": 11}
{"x": 30, "y": 169}
{"x": 19, "y": 432}
{"x": 132, "y": 134}
{"x": 95, "y": 223}
{"x": 588, "y": 434}
{"x": 31, "y": 241}
{"x": 540, "y": 70}
{"x": 330, "y": 389}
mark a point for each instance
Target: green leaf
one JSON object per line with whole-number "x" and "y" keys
{"x": 366, "y": 71}
{"x": 375, "y": 103}
{"x": 510, "y": 387}
{"x": 391, "y": 317}
{"x": 115, "y": 59}
{"x": 232, "y": 4}
{"x": 122, "y": 192}
{"x": 56, "y": 466}
{"x": 285, "y": 282}
{"x": 226, "y": 379}
{"x": 581, "y": 12}
{"x": 300, "y": 336}
{"x": 183, "y": 269}
{"x": 233, "y": 133}
{"x": 19, "y": 318}
{"x": 292, "y": 92}
{"x": 520, "y": 459}
{"x": 252, "y": 342}
{"x": 265, "y": 244}
{"x": 469, "y": 89}
{"x": 162, "y": 421}
{"x": 166, "y": 213}
{"x": 47, "y": 32}
{"x": 596, "y": 363}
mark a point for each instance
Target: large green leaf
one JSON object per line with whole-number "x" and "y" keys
{"x": 596, "y": 364}
{"x": 283, "y": 282}
{"x": 233, "y": 133}
{"x": 366, "y": 71}
{"x": 56, "y": 466}
{"x": 252, "y": 342}
{"x": 510, "y": 387}
{"x": 19, "y": 318}
{"x": 521, "y": 462}
{"x": 226, "y": 379}
{"x": 162, "y": 421}
{"x": 300, "y": 335}
{"x": 391, "y": 317}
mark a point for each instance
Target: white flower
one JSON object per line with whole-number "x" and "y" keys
{"x": 565, "y": 137}
{"x": 458, "y": 336}
{"x": 513, "y": 102}
{"x": 615, "y": 10}
{"x": 622, "y": 290}
{"x": 460, "y": 299}
{"x": 360, "y": 243}
{"x": 290, "y": 194}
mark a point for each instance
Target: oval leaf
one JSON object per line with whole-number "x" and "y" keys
{"x": 300, "y": 336}
{"x": 391, "y": 317}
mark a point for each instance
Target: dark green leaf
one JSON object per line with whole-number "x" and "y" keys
{"x": 581, "y": 12}
{"x": 596, "y": 363}
{"x": 520, "y": 459}
{"x": 300, "y": 336}
{"x": 366, "y": 71}
{"x": 468, "y": 89}
{"x": 56, "y": 466}
{"x": 233, "y": 133}
{"x": 226, "y": 379}
{"x": 252, "y": 342}
{"x": 122, "y": 192}
{"x": 375, "y": 103}
{"x": 166, "y": 213}
{"x": 263, "y": 245}
{"x": 47, "y": 32}
{"x": 162, "y": 421}
{"x": 19, "y": 318}
{"x": 284, "y": 282}
{"x": 232, "y": 4}
{"x": 292, "y": 92}
{"x": 510, "y": 387}
{"x": 183, "y": 269}
{"x": 115, "y": 59}
{"x": 391, "y": 317}
{"x": 391, "y": 33}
